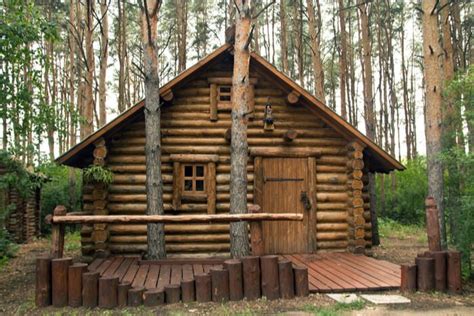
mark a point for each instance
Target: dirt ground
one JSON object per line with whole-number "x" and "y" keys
{"x": 17, "y": 286}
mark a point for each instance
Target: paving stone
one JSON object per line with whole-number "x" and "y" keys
{"x": 343, "y": 298}
{"x": 385, "y": 299}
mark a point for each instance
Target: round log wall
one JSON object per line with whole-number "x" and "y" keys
{"x": 188, "y": 129}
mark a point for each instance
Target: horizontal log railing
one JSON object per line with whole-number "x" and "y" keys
{"x": 60, "y": 218}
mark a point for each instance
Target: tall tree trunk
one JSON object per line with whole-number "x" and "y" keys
{"x": 154, "y": 181}
{"x": 182, "y": 19}
{"x": 121, "y": 54}
{"x": 406, "y": 111}
{"x": 72, "y": 72}
{"x": 433, "y": 119}
{"x": 87, "y": 125}
{"x": 315, "y": 36}
{"x": 368, "y": 107}
{"x": 283, "y": 38}
{"x": 298, "y": 33}
{"x": 342, "y": 59}
{"x": 104, "y": 56}
{"x": 239, "y": 237}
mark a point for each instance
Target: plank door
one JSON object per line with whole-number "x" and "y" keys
{"x": 284, "y": 182}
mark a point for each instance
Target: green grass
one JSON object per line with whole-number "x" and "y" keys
{"x": 72, "y": 241}
{"x": 391, "y": 228}
{"x": 335, "y": 309}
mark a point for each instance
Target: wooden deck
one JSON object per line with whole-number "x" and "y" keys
{"x": 331, "y": 272}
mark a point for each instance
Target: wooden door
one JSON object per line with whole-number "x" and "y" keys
{"x": 285, "y": 181}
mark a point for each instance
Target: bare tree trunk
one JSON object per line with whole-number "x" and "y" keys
{"x": 121, "y": 53}
{"x": 298, "y": 33}
{"x": 433, "y": 83}
{"x": 239, "y": 238}
{"x": 154, "y": 181}
{"x": 104, "y": 56}
{"x": 72, "y": 72}
{"x": 283, "y": 38}
{"x": 368, "y": 107}
{"x": 406, "y": 111}
{"x": 87, "y": 125}
{"x": 343, "y": 59}
{"x": 315, "y": 37}
{"x": 182, "y": 19}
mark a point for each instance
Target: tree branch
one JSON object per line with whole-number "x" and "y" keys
{"x": 263, "y": 9}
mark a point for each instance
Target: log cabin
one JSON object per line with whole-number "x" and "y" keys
{"x": 303, "y": 158}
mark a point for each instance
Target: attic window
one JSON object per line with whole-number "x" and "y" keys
{"x": 224, "y": 93}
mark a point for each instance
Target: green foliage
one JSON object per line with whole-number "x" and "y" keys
{"x": 72, "y": 241}
{"x": 98, "y": 174}
{"x": 7, "y": 247}
{"x": 335, "y": 309}
{"x": 64, "y": 187}
{"x": 459, "y": 167}
{"x": 405, "y": 203}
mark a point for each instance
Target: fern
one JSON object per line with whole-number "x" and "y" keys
{"x": 98, "y": 174}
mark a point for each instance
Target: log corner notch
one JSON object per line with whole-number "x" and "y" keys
{"x": 356, "y": 220}
{"x": 100, "y": 232}
{"x": 293, "y": 97}
{"x": 167, "y": 96}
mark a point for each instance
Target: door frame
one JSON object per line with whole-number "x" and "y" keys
{"x": 258, "y": 183}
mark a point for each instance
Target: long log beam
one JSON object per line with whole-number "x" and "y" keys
{"x": 219, "y": 218}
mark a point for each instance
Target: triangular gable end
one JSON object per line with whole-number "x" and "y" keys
{"x": 380, "y": 160}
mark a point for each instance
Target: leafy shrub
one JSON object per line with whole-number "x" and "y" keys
{"x": 96, "y": 173}
{"x": 406, "y": 203}
{"x": 63, "y": 188}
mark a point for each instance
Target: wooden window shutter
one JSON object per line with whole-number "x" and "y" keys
{"x": 211, "y": 187}
{"x": 177, "y": 188}
{"x": 213, "y": 102}
{"x": 251, "y": 99}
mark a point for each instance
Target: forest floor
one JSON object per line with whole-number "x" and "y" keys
{"x": 400, "y": 244}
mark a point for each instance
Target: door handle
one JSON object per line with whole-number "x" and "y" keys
{"x": 305, "y": 200}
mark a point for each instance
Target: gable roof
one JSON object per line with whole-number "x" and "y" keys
{"x": 380, "y": 160}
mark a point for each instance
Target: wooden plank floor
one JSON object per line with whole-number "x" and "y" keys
{"x": 152, "y": 274}
{"x": 345, "y": 272}
{"x": 327, "y": 272}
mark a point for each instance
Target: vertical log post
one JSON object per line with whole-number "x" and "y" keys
{"x": 220, "y": 285}
{"x": 256, "y": 233}
{"x": 108, "y": 292}
{"x": 270, "y": 279}
{"x": 43, "y": 282}
{"x": 172, "y": 293}
{"x": 287, "y": 281}
{"x": 90, "y": 286}
{"x": 57, "y": 234}
{"x": 135, "y": 296}
{"x": 251, "y": 276}
{"x": 59, "y": 284}
{"x": 236, "y": 291}
{"x": 153, "y": 297}
{"x": 188, "y": 291}
{"x": 203, "y": 287}
{"x": 122, "y": 294}
{"x": 425, "y": 275}
{"x": 454, "y": 272}
{"x": 355, "y": 217}
{"x": 301, "y": 281}
{"x": 432, "y": 224}
{"x": 440, "y": 263}
{"x": 408, "y": 278}
{"x": 75, "y": 284}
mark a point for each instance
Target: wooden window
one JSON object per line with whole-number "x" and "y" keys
{"x": 224, "y": 94}
{"x": 194, "y": 179}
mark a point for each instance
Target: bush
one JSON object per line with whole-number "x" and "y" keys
{"x": 406, "y": 203}
{"x": 58, "y": 190}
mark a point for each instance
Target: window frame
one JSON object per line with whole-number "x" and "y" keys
{"x": 224, "y": 94}
{"x": 194, "y": 178}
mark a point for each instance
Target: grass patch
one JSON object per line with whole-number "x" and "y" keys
{"x": 391, "y": 228}
{"x": 72, "y": 241}
{"x": 335, "y": 309}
